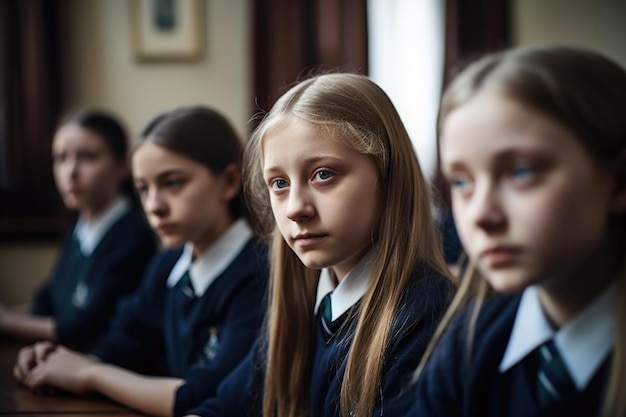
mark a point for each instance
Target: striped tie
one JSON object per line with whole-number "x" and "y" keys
{"x": 553, "y": 379}
{"x": 325, "y": 316}
{"x": 185, "y": 294}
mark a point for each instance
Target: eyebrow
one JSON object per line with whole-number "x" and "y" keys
{"x": 503, "y": 155}
{"x": 307, "y": 161}
{"x": 164, "y": 174}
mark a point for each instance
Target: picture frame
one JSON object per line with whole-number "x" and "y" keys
{"x": 167, "y": 30}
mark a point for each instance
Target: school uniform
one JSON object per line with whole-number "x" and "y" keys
{"x": 199, "y": 328}
{"x": 499, "y": 377}
{"x": 421, "y": 308}
{"x": 100, "y": 262}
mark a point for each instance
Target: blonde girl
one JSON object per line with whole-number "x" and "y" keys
{"x": 533, "y": 143}
{"x": 337, "y": 188}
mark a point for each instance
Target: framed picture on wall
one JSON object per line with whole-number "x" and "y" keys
{"x": 167, "y": 30}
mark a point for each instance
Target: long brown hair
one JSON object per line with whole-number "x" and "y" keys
{"x": 586, "y": 93}
{"x": 357, "y": 113}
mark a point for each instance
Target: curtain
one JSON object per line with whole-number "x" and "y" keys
{"x": 474, "y": 28}
{"x": 32, "y": 95}
{"x": 297, "y": 38}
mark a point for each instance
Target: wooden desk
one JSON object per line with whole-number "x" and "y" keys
{"x": 17, "y": 400}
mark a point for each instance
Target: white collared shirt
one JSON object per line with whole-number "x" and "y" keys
{"x": 583, "y": 342}
{"x": 90, "y": 233}
{"x": 208, "y": 266}
{"x": 351, "y": 288}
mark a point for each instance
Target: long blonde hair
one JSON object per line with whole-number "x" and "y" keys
{"x": 354, "y": 111}
{"x": 586, "y": 93}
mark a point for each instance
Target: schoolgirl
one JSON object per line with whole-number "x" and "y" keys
{"x": 354, "y": 294}
{"x": 198, "y": 310}
{"x": 105, "y": 254}
{"x": 533, "y": 143}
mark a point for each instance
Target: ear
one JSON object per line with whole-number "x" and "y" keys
{"x": 618, "y": 199}
{"x": 231, "y": 182}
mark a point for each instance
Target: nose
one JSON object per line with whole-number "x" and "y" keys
{"x": 299, "y": 204}
{"x": 154, "y": 203}
{"x": 69, "y": 167}
{"x": 486, "y": 209}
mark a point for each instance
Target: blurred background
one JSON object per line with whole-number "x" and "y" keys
{"x": 237, "y": 56}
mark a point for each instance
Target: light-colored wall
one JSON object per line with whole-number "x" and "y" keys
{"x": 107, "y": 75}
{"x": 595, "y": 24}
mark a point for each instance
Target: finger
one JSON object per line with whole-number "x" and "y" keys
{"x": 25, "y": 361}
{"x": 42, "y": 350}
{"x": 34, "y": 379}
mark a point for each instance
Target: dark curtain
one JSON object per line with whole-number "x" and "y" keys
{"x": 296, "y": 38}
{"x": 32, "y": 96}
{"x": 472, "y": 28}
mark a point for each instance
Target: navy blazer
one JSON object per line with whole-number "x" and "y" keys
{"x": 420, "y": 311}
{"x": 455, "y": 384}
{"x": 147, "y": 338}
{"x": 114, "y": 270}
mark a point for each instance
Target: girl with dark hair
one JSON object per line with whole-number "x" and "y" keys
{"x": 104, "y": 256}
{"x": 197, "y": 312}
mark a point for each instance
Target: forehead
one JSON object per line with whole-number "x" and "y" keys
{"x": 73, "y": 135}
{"x": 151, "y": 158}
{"x": 491, "y": 123}
{"x": 297, "y": 139}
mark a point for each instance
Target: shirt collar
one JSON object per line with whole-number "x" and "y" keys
{"x": 90, "y": 233}
{"x": 350, "y": 289}
{"x": 208, "y": 266}
{"x": 584, "y": 342}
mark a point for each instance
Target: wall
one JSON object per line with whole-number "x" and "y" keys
{"x": 107, "y": 75}
{"x": 595, "y": 24}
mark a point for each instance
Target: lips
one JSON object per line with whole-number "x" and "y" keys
{"x": 500, "y": 256}
{"x": 308, "y": 239}
{"x": 165, "y": 228}
{"x": 73, "y": 190}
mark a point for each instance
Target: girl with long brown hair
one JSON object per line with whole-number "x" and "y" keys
{"x": 358, "y": 281}
{"x": 533, "y": 143}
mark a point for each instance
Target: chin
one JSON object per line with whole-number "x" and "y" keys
{"x": 506, "y": 283}
{"x": 171, "y": 241}
{"x": 71, "y": 204}
{"x": 313, "y": 262}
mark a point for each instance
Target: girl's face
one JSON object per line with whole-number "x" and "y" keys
{"x": 183, "y": 200}
{"x": 324, "y": 196}
{"x": 530, "y": 203}
{"x": 86, "y": 173}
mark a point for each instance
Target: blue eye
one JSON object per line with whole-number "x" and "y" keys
{"x": 459, "y": 183}
{"x": 521, "y": 172}
{"x": 279, "y": 184}
{"x": 324, "y": 175}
